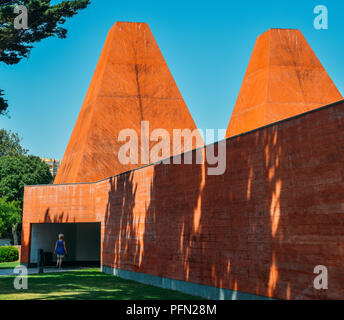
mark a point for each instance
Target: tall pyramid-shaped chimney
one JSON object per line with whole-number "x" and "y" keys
{"x": 132, "y": 83}
{"x": 284, "y": 78}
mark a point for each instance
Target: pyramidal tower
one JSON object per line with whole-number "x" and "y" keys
{"x": 284, "y": 78}
{"x": 132, "y": 83}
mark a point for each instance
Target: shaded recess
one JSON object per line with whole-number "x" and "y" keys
{"x": 284, "y": 78}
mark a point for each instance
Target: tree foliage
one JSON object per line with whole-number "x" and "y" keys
{"x": 16, "y": 172}
{"x": 45, "y": 20}
{"x": 10, "y": 144}
{"x": 10, "y": 215}
{"x": 3, "y": 103}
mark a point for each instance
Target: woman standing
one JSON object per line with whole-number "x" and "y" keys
{"x": 60, "y": 250}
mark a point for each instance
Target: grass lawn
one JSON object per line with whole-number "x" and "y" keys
{"x": 9, "y": 265}
{"x": 89, "y": 284}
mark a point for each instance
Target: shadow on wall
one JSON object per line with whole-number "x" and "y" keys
{"x": 120, "y": 235}
{"x": 145, "y": 232}
{"x": 260, "y": 228}
{"x": 57, "y": 218}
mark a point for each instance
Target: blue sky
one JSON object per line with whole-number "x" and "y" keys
{"x": 207, "y": 45}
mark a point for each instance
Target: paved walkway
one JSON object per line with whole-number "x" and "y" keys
{"x": 9, "y": 272}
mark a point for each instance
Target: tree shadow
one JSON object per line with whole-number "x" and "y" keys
{"x": 57, "y": 218}
{"x": 260, "y": 228}
{"x": 85, "y": 285}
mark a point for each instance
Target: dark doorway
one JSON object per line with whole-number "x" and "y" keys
{"x": 82, "y": 240}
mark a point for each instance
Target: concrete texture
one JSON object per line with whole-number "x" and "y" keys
{"x": 284, "y": 78}
{"x": 132, "y": 83}
{"x": 261, "y": 228}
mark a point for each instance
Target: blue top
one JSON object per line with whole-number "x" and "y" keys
{"x": 60, "y": 248}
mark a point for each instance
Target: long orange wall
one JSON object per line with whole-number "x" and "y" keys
{"x": 261, "y": 228}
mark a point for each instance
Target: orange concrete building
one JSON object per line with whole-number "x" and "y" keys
{"x": 284, "y": 78}
{"x": 132, "y": 83}
{"x": 255, "y": 232}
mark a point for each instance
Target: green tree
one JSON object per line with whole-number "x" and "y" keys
{"x": 10, "y": 217}
{"x": 10, "y": 144}
{"x": 3, "y": 103}
{"x": 17, "y": 172}
{"x": 44, "y": 20}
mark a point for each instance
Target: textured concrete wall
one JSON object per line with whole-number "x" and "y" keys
{"x": 132, "y": 83}
{"x": 55, "y": 204}
{"x": 283, "y": 79}
{"x": 261, "y": 228}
